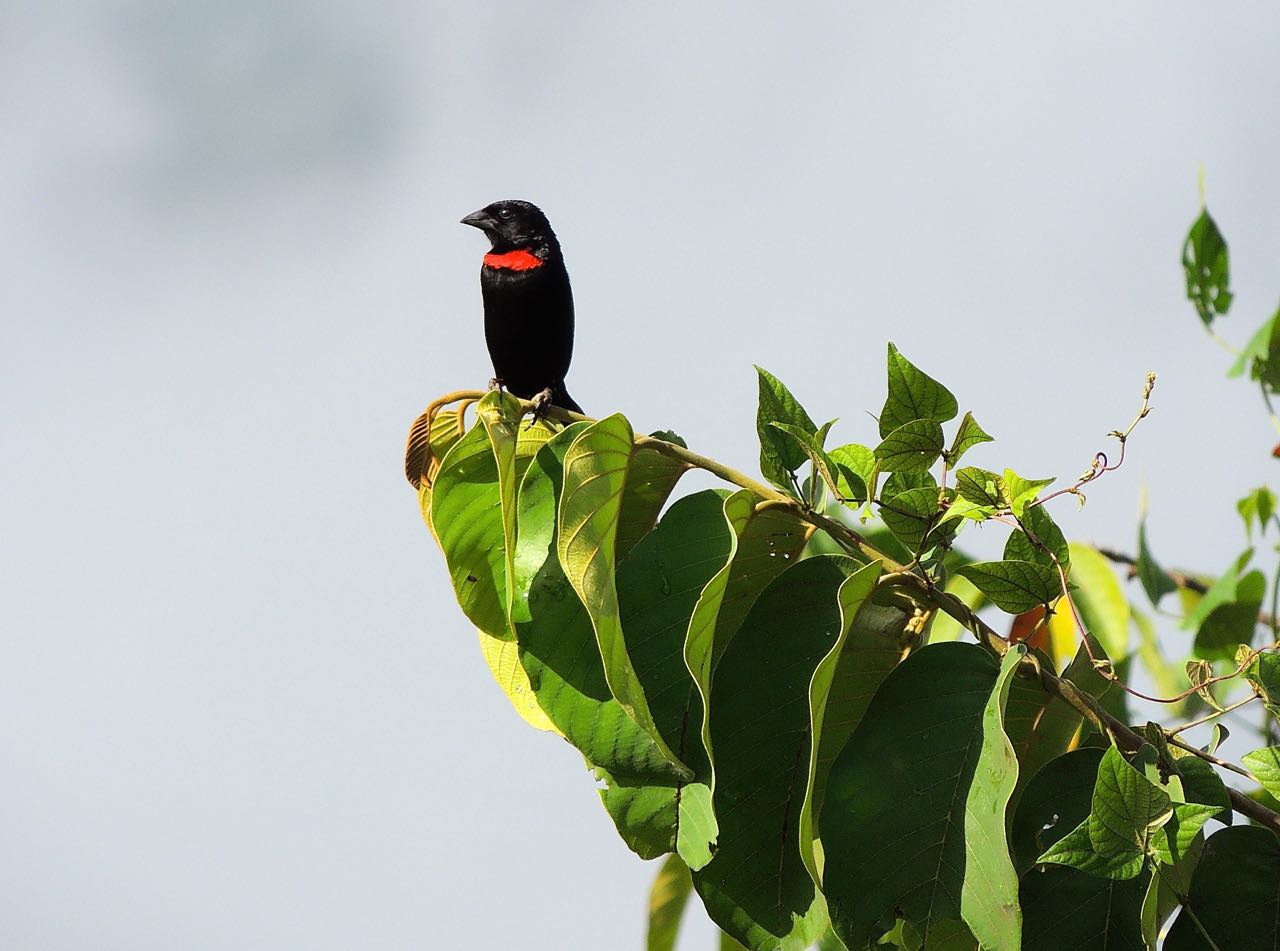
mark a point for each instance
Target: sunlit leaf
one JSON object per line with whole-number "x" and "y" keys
{"x": 913, "y": 395}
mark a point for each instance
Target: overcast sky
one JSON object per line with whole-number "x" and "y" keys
{"x": 239, "y": 707}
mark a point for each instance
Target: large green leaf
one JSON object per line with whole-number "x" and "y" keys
{"x": 988, "y": 896}
{"x": 1100, "y": 599}
{"x": 557, "y": 642}
{"x": 1065, "y": 909}
{"x": 1040, "y": 725}
{"x": 763, "y": 544}
{"x": 862, "y": 659}
{"x": 651, "y": 477}
{"x": 913, "y": 395}
{"x": 595, "y": 473}
{"x": 1207, "y": 264}
{"x": 466, "y": 513}
{"x": 891, "y": 825}
{"x": 757, "y": 887}
{"x": 1127, "y": 806}
{"x": 659, "y": 585}
{"x": 779, "y": 454}
{"x": 1054, "y": 801}
{"x": 667, "y": 901}
{"x": 1235, "y": 894}
{"x": 499, "y": 414}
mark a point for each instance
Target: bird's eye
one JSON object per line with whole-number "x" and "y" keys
{"x": 504, "y": 212}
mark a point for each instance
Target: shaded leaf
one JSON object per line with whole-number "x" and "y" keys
{"x": 981, "y": 487}
{"x": 912, "y": 447}
{"x": 1207, "y": 265}
{"x": 1154, "y": 579}
{"x": 867, "y": 657}
{"x": 757, "y": 887}
{"x": 910, "y": 514}
{"x": 779, "y": 455}
{"x": 893, "y": 847}
{"x": 595, "y": 472}
{"x": 1235, "y": 894}
{"x": 1014, "y": 586}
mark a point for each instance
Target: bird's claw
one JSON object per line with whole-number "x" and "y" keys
{"x": 541, "y": 404}
{"x": 495, "y": 383}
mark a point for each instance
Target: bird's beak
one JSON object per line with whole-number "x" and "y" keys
{"x": 481, "y": 220}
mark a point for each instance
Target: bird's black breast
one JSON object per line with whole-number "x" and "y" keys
{"x": 528, "y": 325}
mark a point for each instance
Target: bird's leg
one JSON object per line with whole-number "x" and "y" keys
{"x": 541, "y": 403}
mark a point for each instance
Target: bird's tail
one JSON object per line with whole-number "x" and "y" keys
{"x": 560, "y": 397}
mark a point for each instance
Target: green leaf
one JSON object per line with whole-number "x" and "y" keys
{"x": 910, "y": 515}
{"x": 912, "y": 447}
{"x": 988, "y": 901}
{"x": 861, "y": 657}
{"x": 1100, "y": 599}
{"x": 651, "y": 478}
{"x": 1038, "y": 537}
{"x": 1040, "y": 725}
{"x": 1228, "y": 613}
{"x": 1076, "y": 850}
{"x": 466, "y": 514}
{"x": 1155, "y": 580}
{"x": 1019, "y": 492}
{"x": 558, "y": 650}
{"x": 1014, "y": 586}
{"x": 595, "y": 473}
{"x": 1054, "y": 801}
{"x": 811, "y": 445}
{"x": 854, "y": 464}
{"x": 659, "y": 586}
{"x": 764, "y": 544}
{"x": 913, "y": 395}
{"x": 1127, "y": 807}
{"x": 1257, "y": 508}
{"x": 902, "y": 936}
{"x": 1222, "y": 591}
{"x": 1264, "y": 674}
{"x": 967, "y": 436}
{"x": 757, "y": 887}
{"x": 1172, "y": 841}
{"x": 1201, "y": 783}
{"x": 1234, "y": 896}
{"x": 779, "y": 455}
{"x": 1065, "y": 909}
{"x": 1206, "y": 262}
{"x": 894, "y": 846}
{"x": 667, "y": 900}
{"x": 981, "y": 487}
{"x": 1265, "y": 766}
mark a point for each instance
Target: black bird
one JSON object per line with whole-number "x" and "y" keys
{"x": 528, "y": 305}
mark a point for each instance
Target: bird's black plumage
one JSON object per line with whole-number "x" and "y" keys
{"x": 528, "y": 305}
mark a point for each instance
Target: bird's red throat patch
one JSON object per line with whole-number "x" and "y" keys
{"x": 514, "y": 261}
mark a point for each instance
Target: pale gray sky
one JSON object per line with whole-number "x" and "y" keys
{"x": 238, "y": 706}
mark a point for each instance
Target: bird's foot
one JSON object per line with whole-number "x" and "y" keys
{"x": 541, "y": 404}
{"x": 495, "y": 383}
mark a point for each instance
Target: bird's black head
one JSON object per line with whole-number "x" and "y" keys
{"x": 514, "y": 225}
